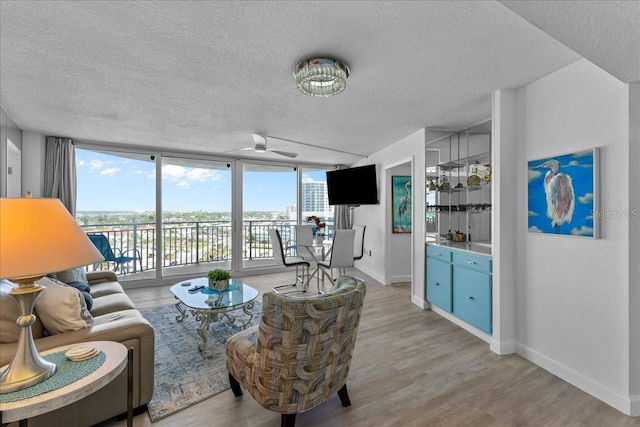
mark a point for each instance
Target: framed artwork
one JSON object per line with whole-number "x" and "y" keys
{"x": 563, "y": 194}
{"x": 401, "y": 204}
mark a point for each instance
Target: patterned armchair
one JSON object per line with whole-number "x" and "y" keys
{"x": 313, "y": 335}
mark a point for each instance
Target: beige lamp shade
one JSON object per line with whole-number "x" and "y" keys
{"x": 39, "y": 236}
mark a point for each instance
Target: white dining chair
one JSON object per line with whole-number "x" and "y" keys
{"x": 358, "y": 243}
{"x": 304, "y": 242}
{"x": 341, "y": 253}
{"x": 289, "y": 262}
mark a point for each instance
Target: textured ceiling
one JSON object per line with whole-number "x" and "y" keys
{"x": 606, "y": 33}
{"x": 204, "y": 76}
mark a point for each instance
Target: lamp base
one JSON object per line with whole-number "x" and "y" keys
{"x": 19, "y": 379}
{"x": 27, "y": 367}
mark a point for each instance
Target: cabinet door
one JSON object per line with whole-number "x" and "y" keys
{"x": 472, "y": 297}
{"x": 439, "y": 283}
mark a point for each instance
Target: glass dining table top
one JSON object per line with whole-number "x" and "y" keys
{"x": 239, "y": 293}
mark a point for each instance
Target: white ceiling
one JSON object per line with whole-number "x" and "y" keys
{"x": 203, "y": 76}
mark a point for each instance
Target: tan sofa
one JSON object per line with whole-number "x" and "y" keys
{"x": 114, "y": 319}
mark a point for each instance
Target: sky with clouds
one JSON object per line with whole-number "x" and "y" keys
{"x": 127, "y": 183}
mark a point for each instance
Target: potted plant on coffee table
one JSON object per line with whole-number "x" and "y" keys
{"x": 219, "y": 279}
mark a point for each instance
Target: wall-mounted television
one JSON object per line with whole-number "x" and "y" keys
{"x": 353, "y": 186}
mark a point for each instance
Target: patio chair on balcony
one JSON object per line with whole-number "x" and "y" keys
{"x": 122, "y": 259}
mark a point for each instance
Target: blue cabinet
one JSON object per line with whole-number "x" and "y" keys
{"x": 460, "y": 282}
{"x": 439, "y": 283}
{"x": 472, "y": 297}
{"x": 439, "y": 253}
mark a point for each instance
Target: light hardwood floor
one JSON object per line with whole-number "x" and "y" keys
{"x": 411, "y": 367}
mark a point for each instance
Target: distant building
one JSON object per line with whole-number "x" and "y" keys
{"x": 314, "y": 197}
{"x": 314, "y": 201}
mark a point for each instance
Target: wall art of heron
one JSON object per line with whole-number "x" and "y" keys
{"x": 404, "y": 200}
{"x": 562, "y": 194}
{"x": 558, "y": 188}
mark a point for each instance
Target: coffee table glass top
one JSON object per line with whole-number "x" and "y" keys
{"x": 238, "y": 294}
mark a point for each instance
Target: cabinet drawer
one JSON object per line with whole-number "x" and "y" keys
{"x": 472, "y": 297}
{"x": 477, "y": 262}
{"x": 438, "y": 252}
{"x": 439, "y": 284}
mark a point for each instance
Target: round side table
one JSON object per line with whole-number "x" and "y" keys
{"x": 115, "y": 361}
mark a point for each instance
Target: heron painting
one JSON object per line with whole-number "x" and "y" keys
{"x": 401, "y": 203}
{"x": 562, "y": 194}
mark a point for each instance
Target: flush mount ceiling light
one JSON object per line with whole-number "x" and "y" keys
{"x": 321, "y": 76}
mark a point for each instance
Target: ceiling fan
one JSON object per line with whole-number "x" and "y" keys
{"x": 261, "y": 147}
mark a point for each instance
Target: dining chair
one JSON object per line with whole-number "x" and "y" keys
{"x": 358, "y": 243}
{"x": 304, "y": 242}
{"x": 341, "y": 253}
{"x": 289, "y": 262}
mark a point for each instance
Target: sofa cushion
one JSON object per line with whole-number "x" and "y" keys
{"x": 106, "y": 288}
{"x": 61, "y": 308}
{"x": 77, "y": 278}
{"x": 84, "y": 289}
{"x": 111, "y": 303}
{"x": 9, "y": 313}
{"x": 71, "y": 275}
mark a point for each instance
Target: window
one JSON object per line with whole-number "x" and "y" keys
{"x": 116, "y": 197}
{"x": 205, "y": 219}
{"x": 268, "y": 201}
{"x": 196, "y": 215}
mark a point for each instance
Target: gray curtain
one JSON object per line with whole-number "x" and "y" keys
{"x": 342, "y": 215}
{"x": 60, "y": 171}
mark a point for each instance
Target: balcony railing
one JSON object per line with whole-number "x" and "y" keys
{"x": 188, "y": 242}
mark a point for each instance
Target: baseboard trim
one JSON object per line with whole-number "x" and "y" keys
{"x": 464, "y": 325}
{"x": 626, "y": 404}
{"x": 372, "y": 274}
{"x": 502, "y": 348}
{"x": 423, "y": 304}
{"x": 401, "y": 279}
{"x": 635, "y": 406}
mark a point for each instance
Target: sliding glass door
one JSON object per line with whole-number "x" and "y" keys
{"x": 196, "y": 216}
{"x": 314, "y": 200}
{"x": 116, "y": 197}
{"x": 268, "y": 201}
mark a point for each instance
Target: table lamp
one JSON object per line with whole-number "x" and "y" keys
{"x": 37, "y": 236}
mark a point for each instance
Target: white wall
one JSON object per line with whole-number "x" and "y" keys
{"x": 377, "y": 217}
{"x": 399, "y": 244}
{"x": 572, "y": 308}
{"x": 634, "y": 246}
{"x": 8, "y": 130}
{"x": 505, "y": 202}
{"x": 33, "y": 152}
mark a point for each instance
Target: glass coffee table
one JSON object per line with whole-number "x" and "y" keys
{"x": 207, "y": 305}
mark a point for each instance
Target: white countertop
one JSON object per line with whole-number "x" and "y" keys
{"x": 473, "y": 247}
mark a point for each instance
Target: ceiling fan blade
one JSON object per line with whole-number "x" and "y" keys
{"x": 261, "y": 146}
{"x": 259, "y": 139}
{"x": 284, "y": 153}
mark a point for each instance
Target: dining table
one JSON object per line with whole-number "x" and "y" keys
{"x": 318, "y": 251}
